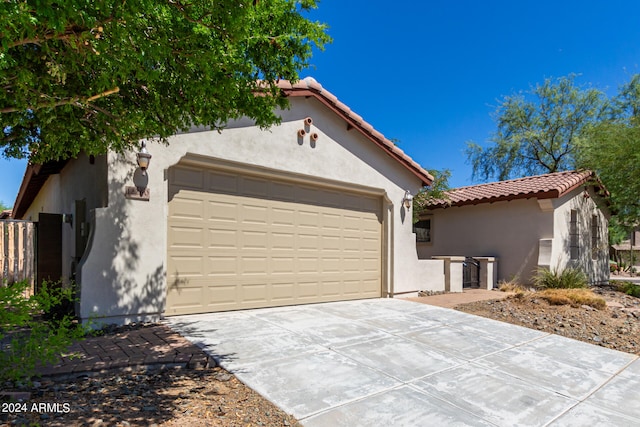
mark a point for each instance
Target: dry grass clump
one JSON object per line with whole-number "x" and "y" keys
{"x": 511, "y": 286}
{"x": 573, "y": 297}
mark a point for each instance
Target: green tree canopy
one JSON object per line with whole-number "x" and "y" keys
{"x": 102, "y": 74}
{"x": 3, "y": 206}
{"x": 538, "y": 131}
{"x": 612, "y": 150}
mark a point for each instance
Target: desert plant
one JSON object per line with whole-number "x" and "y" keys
{"x": 569, "y": 278}
{"x": 29, "y": 334}
{"x": 513, "y": 286}
{"x": 630, "y": 288}
{"x": 573, "y": 297}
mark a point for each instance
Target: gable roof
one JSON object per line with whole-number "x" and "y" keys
{"x": 34, "y": 178}
{"x": 310, "y": 87}
{"x": 547, "y": 186}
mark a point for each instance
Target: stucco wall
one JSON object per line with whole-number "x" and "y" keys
{"x": 509, "y": 231}
{"x": 593, "y": 260}
{"x": 78, "y": 180}
{"x": 123, "y": 278}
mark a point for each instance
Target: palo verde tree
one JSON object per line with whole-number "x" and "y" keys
{"x": 100, "y": 75}
{"x": 538, "y": 131}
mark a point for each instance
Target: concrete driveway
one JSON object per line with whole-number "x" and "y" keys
{"x": 399, "y": 363}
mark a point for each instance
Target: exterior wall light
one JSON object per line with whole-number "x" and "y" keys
{"x": 143, "y": 158}
{"x": 407, "y": 199}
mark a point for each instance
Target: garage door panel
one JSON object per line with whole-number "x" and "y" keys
{"x": 251, "y": 265}
{"x": 222, "y": 266}
{"x": 282, "y": 265}
{"x": 186, "y": 266}
{"x": 222, "y": 238}
{"x": 186, "y": 237}
{"x": 253, "y": 214}
{"x": 255, "y": 293}
{"x": 308, "y": 220}
{"x": 281, "y": 216}
{"x": 282, "y": 241}
{"x": 223, "y": 211}
{"x": 186, "y": 208}
{"x": 244, "y": 242}
{"x": 220, "y": 295}
{"x": 331, "y": 289}
{"x": 253, "y": 239}
{"x": 307, "y": 290}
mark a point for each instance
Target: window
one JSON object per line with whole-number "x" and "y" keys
{"x": 422, "y": 229}
{"x": 595, "y": 236}
{"x": 574, "y": 237}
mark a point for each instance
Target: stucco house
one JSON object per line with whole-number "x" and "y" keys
{"x": 554, "y": 220}
{"x": 315, "y": 209}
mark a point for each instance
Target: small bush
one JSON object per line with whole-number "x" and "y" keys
{"x": 573, "y": 297}
{"x": 569, "y": 278}
{"x": 32, "y": 330}
{"x": 630, "y": 288}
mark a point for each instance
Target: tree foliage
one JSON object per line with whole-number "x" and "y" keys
{"x": 538, "y": 131}
{"x": 3, "y": 206}
{"x": 437, "y": 191}
{"x": 102, "y": 74}
{"x": 612, "y": 150}
{"x": 31, "y": 331}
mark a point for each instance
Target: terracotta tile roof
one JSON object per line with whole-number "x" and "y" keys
{"x": 551, "y": 185}
{"x": 310, "y": 87}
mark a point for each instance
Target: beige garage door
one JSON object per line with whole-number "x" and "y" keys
{"x": 238, "y": 242}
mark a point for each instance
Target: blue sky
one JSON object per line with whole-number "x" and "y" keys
{"x": 430, "y": 73}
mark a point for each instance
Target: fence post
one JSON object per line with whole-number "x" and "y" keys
{"x": 4, "y": 252}
{"x": 17, "y": 255}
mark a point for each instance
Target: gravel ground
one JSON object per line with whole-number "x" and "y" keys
{"x": 175, "y": 398}
{"x": 616, "y": 327}
{"x": 213, "y": 397}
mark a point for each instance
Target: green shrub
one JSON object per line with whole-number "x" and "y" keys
{"x": 630, "y": 288}
{"x": 33, "y": 330}
{"x": 569, "y": 278}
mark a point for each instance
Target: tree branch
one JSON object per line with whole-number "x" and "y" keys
{"x": 65, "y": 36}
{"x": 62, "y": 102}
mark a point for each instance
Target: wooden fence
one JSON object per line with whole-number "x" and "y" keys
{"x": 17, "y": 251}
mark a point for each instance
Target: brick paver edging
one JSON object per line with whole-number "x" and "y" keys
{"x": 149, "y": 347}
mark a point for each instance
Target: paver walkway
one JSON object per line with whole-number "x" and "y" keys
{"x": 152, "y": 346}
{"x": 452, "y": 299}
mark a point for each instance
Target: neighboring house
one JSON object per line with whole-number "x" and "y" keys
{"x": 628, "y": 250}
{"x": 311, "y": 210}
{"x": 555, "y": 220}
